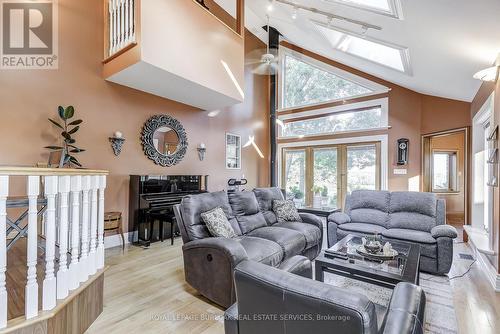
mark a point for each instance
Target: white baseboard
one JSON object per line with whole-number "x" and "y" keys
{"x": 115, "y": 240}
{"x": 487, "y": 268}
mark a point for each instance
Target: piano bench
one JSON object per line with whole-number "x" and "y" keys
{"x": 162, "y": 218}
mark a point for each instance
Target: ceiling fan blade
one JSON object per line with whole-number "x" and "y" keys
{"x": 262, "y": 69}
{"x": 253, "y": 62}
{"x": 266, "y": 69}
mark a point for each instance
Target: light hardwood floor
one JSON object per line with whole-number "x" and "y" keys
{"x": 145, "y": 292}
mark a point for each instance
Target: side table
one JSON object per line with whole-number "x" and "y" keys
{"x": 113, "y": 222}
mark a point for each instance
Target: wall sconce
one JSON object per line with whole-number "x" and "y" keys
{"x": 117, "y": 142}
{"x": 202, "y": 150}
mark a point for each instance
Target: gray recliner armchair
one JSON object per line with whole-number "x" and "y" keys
{"x": 297, "y": 305}
{"x": 416, "y": 217}
{"x": 209, "y": 262}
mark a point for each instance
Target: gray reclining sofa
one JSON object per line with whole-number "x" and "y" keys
{"x": 415, "y": 217}
{"x": 209, "y": 262}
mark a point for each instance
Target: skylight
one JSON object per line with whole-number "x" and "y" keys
{"x": 382, "y": 53}
{"x": 385, "y": 7}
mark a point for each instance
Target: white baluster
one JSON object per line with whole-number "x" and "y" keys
{"x": 4, "y": 192}
{"x": 93, "y": 226}
{"x": 62, "y": 273}
{"x": 122, "y": 31}
{"x": 127, "y": 22}
{"x": 31, "y": 292}
{"x": 74, "y": 269}
{"x": 115, "y": 24}
{"x": 111, "y": 26}
{"x": 132, "y": 20}
{"x": 49, "y": 283}
{"x": 100, "y": 231}
{"x": 84, "y": 265}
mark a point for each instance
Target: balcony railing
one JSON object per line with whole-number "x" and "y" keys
{"x": 71, "y": 204}
{"x": 121, "y": 25}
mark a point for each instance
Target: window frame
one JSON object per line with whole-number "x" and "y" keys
{"x": 383, "y": 160}
{"x": 383, "y": 103}
{"x": 396, "y": 9}
{"x": 238, "y": 151}
{"x": 449, "y": 153}
{"x": 342, "y": 171}
{"x": 376, "y": 88}
{"x": 403, "y": 50}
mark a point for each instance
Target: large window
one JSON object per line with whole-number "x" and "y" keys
{"x": 444, "y": 172}
{"x": 294, "y": 174}
{"x": 321, "y": 176}
{"x": 361, "y": 116}
{"x": 306, "y": 84}
{"x": 307, "y": 81}
{"x": 357, "y": 120}
{"x": 383, "y": 53}
{"x": 362, "y": 167}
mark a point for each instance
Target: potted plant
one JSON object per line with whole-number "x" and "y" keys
{"x": 68, "y": 128}
{"x": 317, "y": 196}
{"x": 297, "y": 194}
{"x": 324, "y": 196}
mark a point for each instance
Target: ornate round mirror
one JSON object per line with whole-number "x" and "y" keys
{"x": 164, "y": 140}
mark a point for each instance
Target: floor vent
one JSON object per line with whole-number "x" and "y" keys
{"x": 466, "y": 256}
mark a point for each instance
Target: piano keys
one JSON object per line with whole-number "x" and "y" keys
{"x": 153, "y": 195}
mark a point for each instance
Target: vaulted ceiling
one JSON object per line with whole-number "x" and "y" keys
{"x": 447, "y": 40}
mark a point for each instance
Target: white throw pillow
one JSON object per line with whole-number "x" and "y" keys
{"x": 217, "y": 223}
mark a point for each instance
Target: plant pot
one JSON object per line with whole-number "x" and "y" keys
{"x": 317, "y": 201}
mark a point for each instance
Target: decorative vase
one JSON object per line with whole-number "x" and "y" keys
{"x": 317, "y": 201}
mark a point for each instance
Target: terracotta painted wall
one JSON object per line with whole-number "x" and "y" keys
{"x": 439, "y": 114}
{"x": 28, "y": 98}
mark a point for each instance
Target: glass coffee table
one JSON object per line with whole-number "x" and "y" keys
{"x": 348, "y": 263}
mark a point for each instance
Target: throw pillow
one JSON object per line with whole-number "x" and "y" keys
{"x": 217, "y": 223}
{"x": 286, "y": 211}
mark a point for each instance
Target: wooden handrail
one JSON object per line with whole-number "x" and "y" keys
{"x": 34, "y": 171}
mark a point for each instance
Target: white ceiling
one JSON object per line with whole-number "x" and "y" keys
{"x": 448, "y": 40}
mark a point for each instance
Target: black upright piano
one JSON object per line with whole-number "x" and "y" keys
{"x": 150, "y": 196}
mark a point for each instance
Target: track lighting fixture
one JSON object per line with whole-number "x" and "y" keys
{"x": 330, "y": 16}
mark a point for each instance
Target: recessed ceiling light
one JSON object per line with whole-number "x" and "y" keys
{"x": 270, "y": 6}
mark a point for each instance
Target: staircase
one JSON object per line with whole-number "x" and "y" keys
{"x": 57, "y": 264}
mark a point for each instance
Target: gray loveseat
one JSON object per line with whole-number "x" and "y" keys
{"x": 277, "y": 302}
{"x": 406, "y": 216}
{"x": 209, "y": 262}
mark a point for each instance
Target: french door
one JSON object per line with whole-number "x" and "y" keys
{"x": 321, "y": 176}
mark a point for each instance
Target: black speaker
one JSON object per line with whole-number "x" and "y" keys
{"x": 403, "y": 144}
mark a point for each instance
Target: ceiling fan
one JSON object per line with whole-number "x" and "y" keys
{"x": 263, "y": 61}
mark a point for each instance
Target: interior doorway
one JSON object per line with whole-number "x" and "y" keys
{"x": 445, "y": 171}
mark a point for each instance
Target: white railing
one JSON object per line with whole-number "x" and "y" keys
{"x": 71, "y": 223}
{"x": 121, "y": 24}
